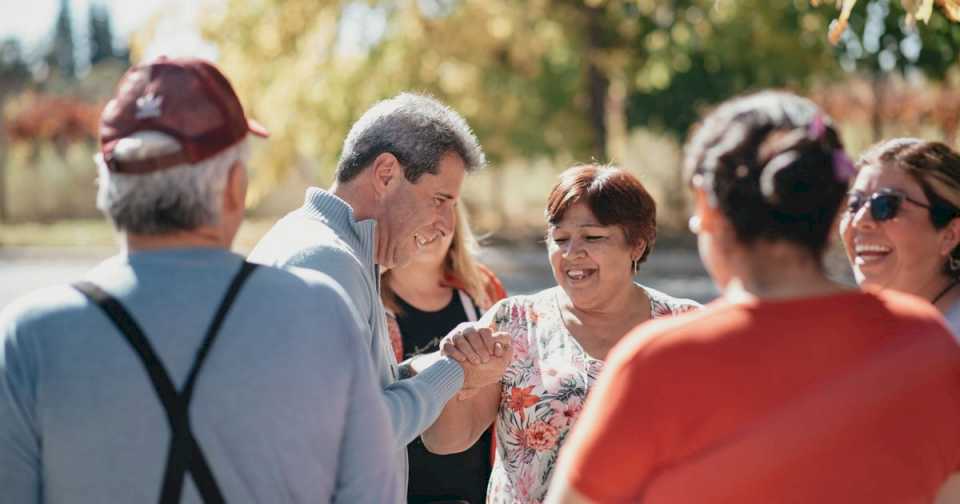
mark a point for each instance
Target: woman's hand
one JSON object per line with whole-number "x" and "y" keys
{"x": 483, "y": 354}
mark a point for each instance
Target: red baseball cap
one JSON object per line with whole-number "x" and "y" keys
{"x": 188, "y": 99}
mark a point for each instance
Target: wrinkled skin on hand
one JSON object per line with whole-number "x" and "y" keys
{"x": 483, "y": 354}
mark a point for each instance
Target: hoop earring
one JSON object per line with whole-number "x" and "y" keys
{"x": 953, "y": 263}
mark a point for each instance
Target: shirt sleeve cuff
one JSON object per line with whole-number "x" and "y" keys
{"x": 445, "y": 375}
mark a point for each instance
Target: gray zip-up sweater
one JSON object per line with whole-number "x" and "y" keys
{"x": 323, "y": 235}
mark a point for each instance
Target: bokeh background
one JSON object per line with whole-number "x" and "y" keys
{"x": 545, "y": 84}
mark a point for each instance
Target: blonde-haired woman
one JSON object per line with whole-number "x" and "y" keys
{"x": 441, "y": 287}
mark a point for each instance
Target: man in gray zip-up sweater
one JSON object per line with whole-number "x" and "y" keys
{"x": 397, "y": 184}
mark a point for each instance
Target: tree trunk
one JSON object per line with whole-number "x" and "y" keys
{"x": 879, "y": 83}
{"x": 616, "y": 119}
{"x": 597, "y": 84}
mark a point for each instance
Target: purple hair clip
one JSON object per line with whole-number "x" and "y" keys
{"x": 843, "y": 168}
{"x": 817, "y": 127}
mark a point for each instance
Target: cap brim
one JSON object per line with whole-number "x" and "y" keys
{"x": 257, "y": 128}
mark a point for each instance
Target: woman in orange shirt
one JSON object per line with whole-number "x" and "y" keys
{"x": 790, "y": 387}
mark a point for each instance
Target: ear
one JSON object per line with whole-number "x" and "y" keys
{"x": 235, "y": 195}
{"x": 950, "y": 236}
{"x": 386, "y": 171}
{"x": 711, "y": 219}
{"x": 638, "y": 250}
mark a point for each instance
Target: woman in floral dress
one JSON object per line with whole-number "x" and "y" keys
{"x": 601, "y": 226}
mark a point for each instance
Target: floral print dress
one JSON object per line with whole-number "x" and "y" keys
{"x": 543, "y": 390}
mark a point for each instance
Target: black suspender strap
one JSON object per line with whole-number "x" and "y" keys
{"x": 184, "y": 454}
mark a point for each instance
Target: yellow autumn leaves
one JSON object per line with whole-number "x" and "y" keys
{"x": 916, "y": 10}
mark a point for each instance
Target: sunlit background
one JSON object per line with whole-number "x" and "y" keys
{"x": 545, "y": 84}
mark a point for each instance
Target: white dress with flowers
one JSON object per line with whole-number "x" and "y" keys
{"x": 542, "y": 390}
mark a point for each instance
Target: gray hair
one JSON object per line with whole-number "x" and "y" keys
{"x": 417, "y": 129}
{"x": 180, "y": 198}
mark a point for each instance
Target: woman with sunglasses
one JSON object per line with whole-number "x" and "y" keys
{"x": 790, "y": 387}
{"x": 900, "y": 228}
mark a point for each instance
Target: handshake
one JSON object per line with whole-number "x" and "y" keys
{"x": 483, "y": 354}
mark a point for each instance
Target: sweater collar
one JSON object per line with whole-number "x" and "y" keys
{"x": 338, "y": 213}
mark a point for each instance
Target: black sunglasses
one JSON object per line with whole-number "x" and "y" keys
{"x": 883, "y": 204}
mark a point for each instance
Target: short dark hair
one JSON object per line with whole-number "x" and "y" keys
{"x": 418, "y": 130}
{"x": 774, "y": 165}
{"x": 614, "y": 196}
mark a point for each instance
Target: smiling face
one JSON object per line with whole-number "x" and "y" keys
{"x": 417, "y": 214}
{"x": 434, "y": 252}
{"x": 905, "y": 253}
{"x": 590, "y": 261}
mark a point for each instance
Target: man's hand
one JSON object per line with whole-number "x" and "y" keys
{"x": 483, "y": 354}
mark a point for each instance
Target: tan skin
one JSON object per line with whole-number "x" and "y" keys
{"x": 599, "y": 304}
{"x": 419, "y": 282}
{"x": 409, "y": 216}
{"x": 905, "y": 253}
{"x": 605, "y": 304}
{"x": 219, "y": 235}
{"x": 763, "y": 270}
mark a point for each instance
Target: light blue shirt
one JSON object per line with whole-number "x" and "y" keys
{"x": 323, "y": 235}
{"x": 286, "y": 407}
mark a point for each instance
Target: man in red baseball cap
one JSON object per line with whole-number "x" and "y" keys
{"x": 177, "y": 371}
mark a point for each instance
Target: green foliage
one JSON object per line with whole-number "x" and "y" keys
{"x": 62, "y": 58}
{"x": 100, "y": 34}
{"x": 707, "y": 55}
{"x": 881, "y": 40}
{"x": 14, "y": 72}
{"x": 563, "y": 79}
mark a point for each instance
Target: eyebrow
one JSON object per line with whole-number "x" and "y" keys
{"x": 555, "y": 226}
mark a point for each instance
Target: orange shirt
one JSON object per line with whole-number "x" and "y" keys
{"x": 845, "y": 398}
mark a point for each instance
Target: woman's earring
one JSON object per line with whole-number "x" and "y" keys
{"x": 953, "y": 263}
{"x": 635, "y": 266}
{"x": 694, "y": 224}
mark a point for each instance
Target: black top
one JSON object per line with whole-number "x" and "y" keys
{"x": 438, "y": 478}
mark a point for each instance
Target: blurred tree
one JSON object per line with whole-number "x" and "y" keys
{"x": 540, "y": 77}
{"x": 309, "y": 68}
{"x": 61, "y": 59}
{"x": 883, "y": 40}
{"x": 701, "y": 54}
{"x": 14, "y": 71}
{"x": 101, "y": 34}
{"x": 14, "y": 76}
{"x": 915, "y": 10}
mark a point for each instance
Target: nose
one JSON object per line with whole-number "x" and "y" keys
{"x": 448, "y": 219}
{"x": 862, "y": 219}
{"x": 573, "y": 248}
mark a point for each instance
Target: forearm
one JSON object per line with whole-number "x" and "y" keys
{"x": 416, "y": 402}
{"x": 462, "y": 422}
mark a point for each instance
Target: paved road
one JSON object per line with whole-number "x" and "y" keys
{"x": 676, "y": 271}
{"x": 24, "y": 270}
